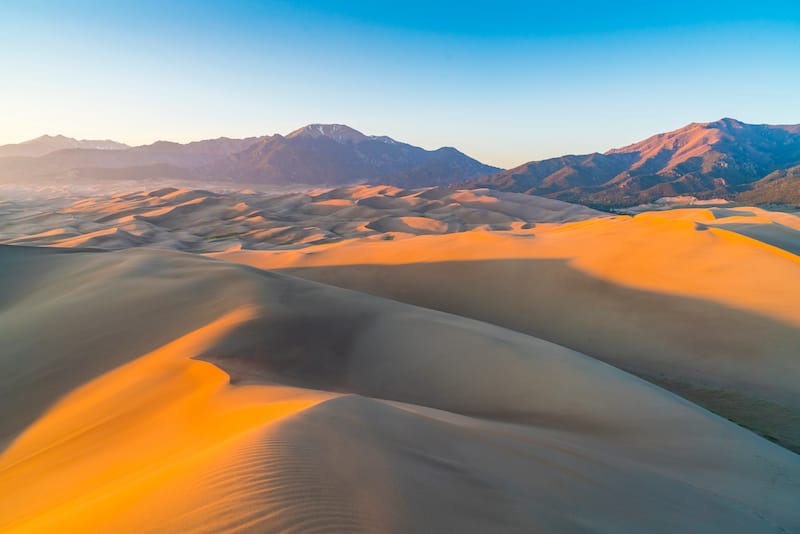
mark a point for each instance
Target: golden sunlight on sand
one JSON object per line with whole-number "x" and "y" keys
{"x": 489, "y": 362}
{"x": 671, "y": 296}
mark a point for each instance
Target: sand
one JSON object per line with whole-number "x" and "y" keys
{"x": 206, "y": 221}
{"x": 688, "y": 298}
{"x": 273, "y": 403}
{"x": 158, "y": 390}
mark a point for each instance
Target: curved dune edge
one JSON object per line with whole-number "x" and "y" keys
{"x": 705, "y": 311}
{"x": 115, "y": 440}
{"x": 664, "y": 251}
{"x": 450, "y": 422}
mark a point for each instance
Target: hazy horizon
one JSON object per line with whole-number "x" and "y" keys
{"x": 505, "y": 83}
{"x": 285, "y": 133}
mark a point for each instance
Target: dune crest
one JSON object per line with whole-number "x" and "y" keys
{"x": 147, "y": 389}
{"x": 114, "y": 441}
{"x": 668, "y": 295}
{"x": 205, "y": 221}
{"x": 291, "y": 405}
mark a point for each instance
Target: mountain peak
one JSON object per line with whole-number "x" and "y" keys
{"x": 47, "y": 137}
{"x": 690, "y": 141}
{"x": 719, "y": 158}
{"x": 46, "y": 144}
{"x": 59, "y": 141}
{"x": 338, "y": 132}
{"x": 726, "y": 123}
{"x": 341, "y": 133}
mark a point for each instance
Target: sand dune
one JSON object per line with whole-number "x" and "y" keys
{"x": 205, "y": 221}
{"x": 155, "y": 390}
{"x": 683, "y": 297}
{"x": 259, "y": 401}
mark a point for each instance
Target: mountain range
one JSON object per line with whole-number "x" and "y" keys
{"x": 50, "y": 143}
{"x": 725, "y": 158}
{"x": 317, "y": 154}
{"x": 334, "y": 154}
{"x": 753, "y": 163}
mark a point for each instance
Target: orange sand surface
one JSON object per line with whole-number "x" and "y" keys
{"x": 475, "y": 370}
{"x": 686, "y": 297}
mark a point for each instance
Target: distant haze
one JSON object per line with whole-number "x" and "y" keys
{"x": 726, "y": 159}
{"x": 317, "y": 154}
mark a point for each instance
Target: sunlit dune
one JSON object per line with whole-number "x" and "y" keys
{"x": 289, "y": 405}
{"x": 340, "y": 202}
{"x": 412, "y": 225}
{"x": 654, "y": 251}
{"x": 511, "y": 381}
{"x": 111, "y": 237}
{"x": 55, "y": 232}
{"x": 203, "y": 221}
{"x": 665, "y": 295}
{"x": 115, "y": 440}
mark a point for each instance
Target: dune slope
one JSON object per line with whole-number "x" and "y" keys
{"x": 694, "y": 299}
{"x": 205, "y": 221}
{"x": 228, "y": 398}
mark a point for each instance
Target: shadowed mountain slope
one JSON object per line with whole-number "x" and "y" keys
{"x": 335, "y": 154}
{"x": 318, "y": 154}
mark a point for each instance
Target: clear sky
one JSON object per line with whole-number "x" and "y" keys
{"x": 505, "y": 81}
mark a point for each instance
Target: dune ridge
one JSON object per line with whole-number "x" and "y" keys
{"x": 383, "y": 416}
{"x": 146, "y": 389}
{"x": 206, "y": 221}
{"x": 668, "y": 295}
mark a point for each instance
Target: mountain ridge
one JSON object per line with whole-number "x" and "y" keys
{"x": 725, "y": 158}
{"x": 719, "y": 158}
{"x": 316, "y": 154}
{"x": 46, "y": 144}
{"x": 336, "y": 154}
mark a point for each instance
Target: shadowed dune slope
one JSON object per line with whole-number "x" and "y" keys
{"x": 232, "y": 399}
{"x": 680, "y": 297}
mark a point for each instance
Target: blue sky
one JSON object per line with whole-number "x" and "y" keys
{"x": 505, "y": 81}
